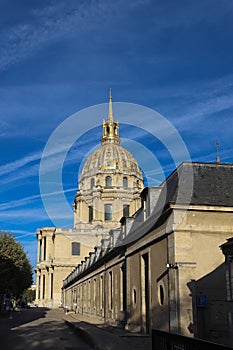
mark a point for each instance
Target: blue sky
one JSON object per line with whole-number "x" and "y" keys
{"x": 59, "y": 57}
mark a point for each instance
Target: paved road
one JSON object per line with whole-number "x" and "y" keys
{"x": 38, "y": 329}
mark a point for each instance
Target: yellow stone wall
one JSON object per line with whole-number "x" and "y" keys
{"x": 192, "y": 250}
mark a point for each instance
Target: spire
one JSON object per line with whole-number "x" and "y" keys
{"x": 110, "y": 128}
{"x": 110, "y": 113}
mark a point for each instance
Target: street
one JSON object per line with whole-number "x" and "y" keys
{"x": 38, "y": 329}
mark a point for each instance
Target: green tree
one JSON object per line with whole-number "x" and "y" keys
{"x": 29, "y": 295}
{"x": 15, "y": 267}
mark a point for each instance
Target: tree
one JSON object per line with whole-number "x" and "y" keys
{"x": 15, "y": 267}
{"x": 29, "y": 295}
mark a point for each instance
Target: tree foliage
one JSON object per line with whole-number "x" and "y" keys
{"x": 29, "y": 295}
{"x": 15, "y": 267}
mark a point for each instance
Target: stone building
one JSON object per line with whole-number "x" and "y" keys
{"x": 109, "y": 187}
{"x": 227, "y": 249}
{"x": 163, "y": 268}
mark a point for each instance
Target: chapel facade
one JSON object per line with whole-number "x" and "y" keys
{"x": 109, "y": 188}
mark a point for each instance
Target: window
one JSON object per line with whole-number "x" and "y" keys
{"x": 125, "y": 210}
{"x": 94, "y": 293}
{"x": 44, "y": 248}
{"x": 107, "y": 212}
{"x": 110, "y": 291}
{"x": 161, "y": 294}
{"x": 51, "y": 286}
{"x": 134, "y": 296}
{"x": 123, "y": 287}
{"x": 101, "y": 295}
{"x": 39, "y": 281}
{"x": 90, "y": 213}
{"x": 40, "y": 257}
{"x": 125, "y": 182}
{"x": 108, "y": 181}
{"x": 43, "y": 287}
{"x": 75, "y": 248}
{"x": 92, "y": 183}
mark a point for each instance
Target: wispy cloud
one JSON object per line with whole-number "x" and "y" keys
{"x": 170, "y": 15}
{"x": 24, "y": 234}
{"x": 29, "y": 200}
{"x": 215, "y": 97}
{"x": 58, "y": 20}
{"x": 19, "y": 163}
{"x": 29, "y": 215}
{"x": 48, "y": 24}
{"x": 51, "y": 24}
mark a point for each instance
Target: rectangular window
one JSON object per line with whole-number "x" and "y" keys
{"x": 125, "y": 210}
{"x": 94, "y": 293}
{"x": 44, "y": 248}
{"x": 90, "y": 213}
{"x": 107, "y": 212}
{"x": 51, "y": 290}
{"x": 123, "y": 287}
{"x": 75, "y": 248}
{"x": 43, "y": 287}
{"x": 39, "y": 282}
{"x": 110, "y": 290}
{"x": 89, "y": 293}
{"x": 40, "y": 257}
{"x": 101, "y": 294}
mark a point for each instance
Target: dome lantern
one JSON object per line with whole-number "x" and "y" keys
{"x": 110, "y": 127}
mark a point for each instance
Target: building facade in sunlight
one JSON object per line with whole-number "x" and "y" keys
{"x": 109, "y": 188}
{"x": 164, "y": 268}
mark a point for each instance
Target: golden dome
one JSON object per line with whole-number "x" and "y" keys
{"x": 110, "y": 157}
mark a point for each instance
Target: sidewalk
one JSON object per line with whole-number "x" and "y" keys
{"x": 105, "y": 337}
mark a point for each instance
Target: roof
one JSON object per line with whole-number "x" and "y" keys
{"x": 201, "y": 184}
{"x": 190, "y": 184}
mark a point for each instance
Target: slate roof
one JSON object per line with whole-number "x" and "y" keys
{"x": 212, "y": 184}
{"x": 191, "y": 183}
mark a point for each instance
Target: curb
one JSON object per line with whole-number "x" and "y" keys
{"x": 82, "y": 333}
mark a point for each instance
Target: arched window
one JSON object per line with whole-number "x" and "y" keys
{"x": 92, "y": 183}
{"x": 125, "y": 182}
{"x": 108, "y": 181}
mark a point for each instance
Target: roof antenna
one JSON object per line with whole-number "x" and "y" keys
{"x": 217, "y": 152}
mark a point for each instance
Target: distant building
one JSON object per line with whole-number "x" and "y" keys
{"x": 163, "y": 269}
{"x": 109, "y": 187}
